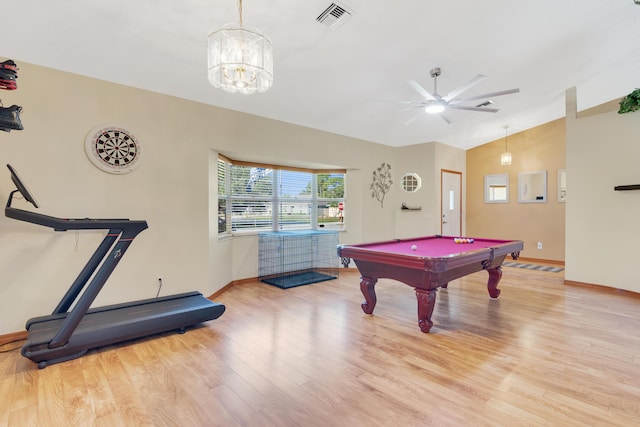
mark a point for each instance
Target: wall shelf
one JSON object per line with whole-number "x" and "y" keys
{"x": 627, "y": 187}
{"x": 404, "y": 207}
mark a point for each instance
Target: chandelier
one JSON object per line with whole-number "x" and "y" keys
{"x": 505, "y": 158}
{"x": 240, "y": 59}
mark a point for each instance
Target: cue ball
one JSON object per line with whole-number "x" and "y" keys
{"x": 414, "y": 247}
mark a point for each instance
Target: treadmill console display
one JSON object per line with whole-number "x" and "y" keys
{"x": 21, "y": 187}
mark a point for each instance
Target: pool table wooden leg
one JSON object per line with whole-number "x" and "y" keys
{"x": 367, "y": 287}
{"x": 426, "y": 303}
{"x": 495, "y": 274}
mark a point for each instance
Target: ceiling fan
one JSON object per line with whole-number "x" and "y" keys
{"x": 434, "y": 103}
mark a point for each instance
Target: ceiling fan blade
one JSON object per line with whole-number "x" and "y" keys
{"x": 412, "y": 105}
{"x": 412, "y": 119}
{"x": 426, "y": 95}
{"x": 483, "y": 109}
{"x": 416, "y": 107}
{"x": 489, "y": 95}
{"x": 477, "y": 79}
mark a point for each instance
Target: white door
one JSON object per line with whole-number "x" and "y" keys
{"x": 451, "y": 202}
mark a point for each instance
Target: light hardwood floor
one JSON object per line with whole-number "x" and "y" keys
{"x": 543, "y": 354}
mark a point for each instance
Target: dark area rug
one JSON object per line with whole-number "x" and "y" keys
{"x": 532, "y": 266}
{"x": 299, "y": 279}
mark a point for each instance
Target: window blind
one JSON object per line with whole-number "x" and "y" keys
{"x": 255, "y": 196}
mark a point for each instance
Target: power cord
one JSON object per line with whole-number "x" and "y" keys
{"x": 11, "y": 349}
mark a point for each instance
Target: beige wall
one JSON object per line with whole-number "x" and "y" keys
{"x": 427, "y": 160}
{"x": 171, "y": 189}
{"x": 538, "y": 149}
{"x": 603, "y": 230}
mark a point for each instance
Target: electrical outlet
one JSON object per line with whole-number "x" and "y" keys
{"x": 539, "y": 245}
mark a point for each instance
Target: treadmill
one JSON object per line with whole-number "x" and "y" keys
{"x": 69, "y": 332}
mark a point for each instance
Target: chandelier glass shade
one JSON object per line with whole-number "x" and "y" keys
{"x": 240, "y": 59}
{"x": 505, "y": 159}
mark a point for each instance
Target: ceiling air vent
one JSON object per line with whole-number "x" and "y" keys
{"x": 334, "y": 16}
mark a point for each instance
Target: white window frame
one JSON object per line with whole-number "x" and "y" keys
{"x": 313, "y": 200}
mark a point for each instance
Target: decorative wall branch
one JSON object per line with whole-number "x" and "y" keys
{"x": 381, "y": 183}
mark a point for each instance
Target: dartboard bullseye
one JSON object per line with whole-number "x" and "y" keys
{"x": 113, "y": 149}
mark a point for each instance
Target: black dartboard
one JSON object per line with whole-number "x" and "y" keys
{"x": 113, "y": 149}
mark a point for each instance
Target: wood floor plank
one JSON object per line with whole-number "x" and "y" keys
{"x": 125, "y": 393}
{"x": 26, "y": 416}
{"x": 50, "y": 407}
{"x": 543, "y": 354}
{"x": 7, "y": 370}
{"x": 25, "y": 389}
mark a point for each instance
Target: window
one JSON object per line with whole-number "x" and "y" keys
{"x": 254, "y": 197}
{"x": 411, "y": 182}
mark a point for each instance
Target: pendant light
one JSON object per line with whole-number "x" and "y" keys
{"x": 505, "y": 158}
{"x": 240, "y": 59}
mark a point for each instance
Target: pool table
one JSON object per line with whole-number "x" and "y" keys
{"x": 426, "y": 264}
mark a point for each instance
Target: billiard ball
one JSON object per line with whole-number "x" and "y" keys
{"x": 414, "y": 247}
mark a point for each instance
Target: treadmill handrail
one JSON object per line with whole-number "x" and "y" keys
{"x": 78, "y": 285}
{"x": 64, "y": 224}
{"x": 108, "y": 263}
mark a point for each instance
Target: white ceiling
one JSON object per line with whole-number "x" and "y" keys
{"x": 349, "y": 81}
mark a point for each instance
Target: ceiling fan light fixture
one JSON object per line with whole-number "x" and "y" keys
{"x": 433, "y": 103}
{"x": 434, "y": 108}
